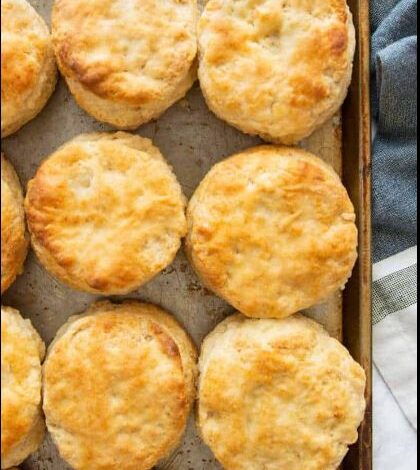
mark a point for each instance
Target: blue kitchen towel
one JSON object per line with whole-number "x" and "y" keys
{"x": 394, "y": 99}
{"x": 394, "y": 106}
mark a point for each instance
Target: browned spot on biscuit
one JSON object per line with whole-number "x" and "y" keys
{"x": 339, "y": 41}
{"x": 168, "y": 344}
{"x": 307, "y": 91}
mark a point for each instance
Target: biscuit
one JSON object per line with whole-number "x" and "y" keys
{"x": 106, "y": 213}
{"x": 278, "y": 394}
{"x": 14, "y": 240}
{"x": 276, "y": 68}
{"x": 126, "y": 62}
{"x": 119, "y": 384}
{"x": 22, "y": 422}
{"x": 272, "y": 231}
{"x": 28, "y": 69}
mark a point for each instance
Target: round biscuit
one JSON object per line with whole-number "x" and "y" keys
{"x": 14, "y": 239}
{"x": 278, "y": 394}
{"x": 126, "y": 62}
{"x": 22, "y": 422}
{"x": 119, "y": 384}
{"x": 272, "y": 231}
{"x": 276, "y": 68}
{"x": 106, "y": 213}
{"x": 28, "y": 69}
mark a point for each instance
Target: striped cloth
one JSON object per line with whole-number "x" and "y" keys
{"x": 395, "y": 361}
{"x": 395, "y": 327}
{"x": 394, "y": 100}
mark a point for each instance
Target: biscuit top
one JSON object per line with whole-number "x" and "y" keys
{"x": 22, "y": 351}
{"x": 277, "y": 68}
{"x": 14, "y": 242}
{"x": 25, "y": 51}
{"x": 131, "y": 51}
{"x": 117, "y": 387}
{"x": 106, "y": 213}
{"x": 278, "y": 394}
{"x": 272, "y": 230}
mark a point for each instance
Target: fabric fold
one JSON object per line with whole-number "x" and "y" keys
{"x": 394, "y": 108}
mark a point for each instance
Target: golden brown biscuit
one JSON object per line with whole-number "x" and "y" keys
{"x": 22, "y": 422}
{"x": 278, "y": 394}
{"x": 28, "y": 70}
{"x": 272, "y": 230}
{"x": 105, "y": 213}
{"x": 276, "y": 68}
{"x": 119, "y": 383}
{"x": 126, "y": 62}
{"x": 14, "y": 240}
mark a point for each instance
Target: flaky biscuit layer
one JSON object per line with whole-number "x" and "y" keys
{"x": 272, "y": 231}
{"x": 278, "y": 394}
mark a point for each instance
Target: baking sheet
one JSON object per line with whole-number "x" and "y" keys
{"x": 193, "y": 140}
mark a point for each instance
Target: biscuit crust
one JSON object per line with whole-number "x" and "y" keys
{"x": 14, "y": 239}
{"x": 22, "y": 422}
{"x": 126, "y": 62}
{"x": 272, "y": 231}
{"x": 119, "y": 383}
{"x": 28, "y": 69}
{"x": 276, "y": 68}
{"x": 106, "y": 213}
{"x": 278, "y": 394}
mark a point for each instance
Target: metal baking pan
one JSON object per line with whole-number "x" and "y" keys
{"x": 193, "y": 140}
